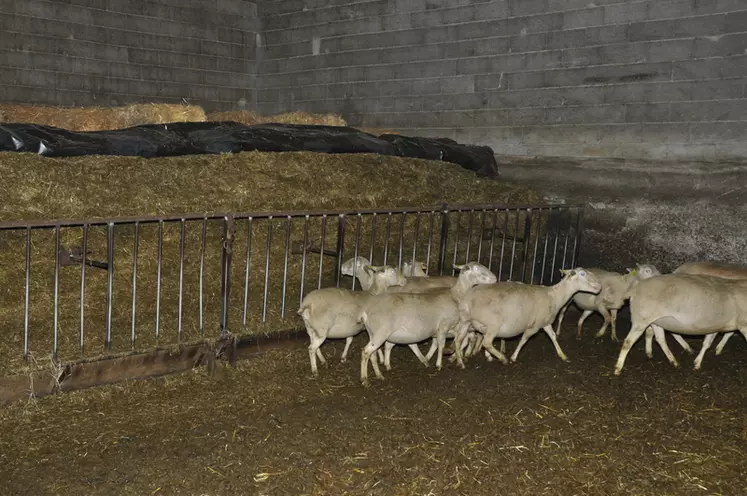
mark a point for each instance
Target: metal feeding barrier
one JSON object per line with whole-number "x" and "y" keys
{"x": 82, "y": 288}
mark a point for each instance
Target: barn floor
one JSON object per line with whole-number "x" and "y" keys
{"x": 539, "y": 426}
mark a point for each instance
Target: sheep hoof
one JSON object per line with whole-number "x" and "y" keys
{"x": 650, "y": 355}
{"x": 617, "y": 371}
{"x": 343, "y": 360}
{"x": 675, "y": 364}
{"x": 365, "y": 384}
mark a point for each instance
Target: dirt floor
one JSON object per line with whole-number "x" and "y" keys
{"x": 539, "y": 426}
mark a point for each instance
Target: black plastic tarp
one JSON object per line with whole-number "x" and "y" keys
{"x": 192, "y": 138}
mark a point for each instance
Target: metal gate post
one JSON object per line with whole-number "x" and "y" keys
{"x": 228, "y": 234}
{"x": 525, "y": 249}
{"x": 444, "y": 238}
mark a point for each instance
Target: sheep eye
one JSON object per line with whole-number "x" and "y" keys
{"x": 582, "y": 273}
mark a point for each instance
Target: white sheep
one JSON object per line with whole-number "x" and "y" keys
{"x": 609, "y": 300}
{"x": 715, "y": 269}
{"x": 507, "y": 309}
{"x": 335, "y": 312}
{"x": 417, "y": 270}
{"x": 688, "y": 304}
{"x": 409, "y": 318}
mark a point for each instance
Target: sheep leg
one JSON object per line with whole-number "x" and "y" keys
{"x": 487, "y": 344}
{"x": 348, "y": 342}
{"x": 723, "y": 341}
{"x": 662, "y": 341}
{"x": 366, "y": 355}
{"x": 462, "y": 329}
{"x": 415, "y": 349}
{"x": 321, "y": 356}
{"x": 503, "y": 346}
{"x": 554, "y": 339}
{"x": 441, "y": 337}
{"x": 683, "y": 343}
{"x": 581, "y": 322}
{"x": 607, "y": 320}
{"x": 707, "y": 341}
{"x": 613, "y": 312}
{"x": 560, "y": 317}
{"x": 388, "y": 355}
{"x": 630, "y": 340}
{"x": 650, "y": 342}
{"x": 431, "y": 350}
{"x": 316, "y": 342}
{"x": 524, "y": 338}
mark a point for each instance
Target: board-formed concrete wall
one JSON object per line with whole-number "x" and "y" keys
{"x": 659, "y": 79}
{"x": 113, "y": 52}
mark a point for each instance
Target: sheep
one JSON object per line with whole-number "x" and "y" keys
{"x": 335, "y": 312}
{"x": 416, "y": 270}
{"x": 507, "y": 309}
{"x": 415, "y": 284}
{"x": 609, "y": 300}
{"x": 409, "y": 318}
{"x": 715, "y": 269}
{"x": 689, "y": 304}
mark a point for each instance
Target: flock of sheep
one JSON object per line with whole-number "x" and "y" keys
{"x": 408, "y": 307}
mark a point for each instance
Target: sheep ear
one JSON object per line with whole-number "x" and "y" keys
{"x": 377, "y": 268}
{"x": 564, "y": 271}
{"x": 423, "y": 266}
{"x": 459, "y": 267}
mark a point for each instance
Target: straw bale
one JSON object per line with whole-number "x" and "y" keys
{"x": 250, "y": 118}
{"x": 101, "y": 118}
{"x": 96, "y": 187}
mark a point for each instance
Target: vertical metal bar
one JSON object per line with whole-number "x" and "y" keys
{"x": 373, "y": 239}
{"x": 227, "y": 255}
{"x": 513, "y": 247}
{"x": 26, "y": 297}
{"x": 525, "y": 245}
{"x": 203, "y": 242}
{"x": 321, "y": 251}
{"x": 555, "y": 246}
{"x": 503, "y": 243}
{"x": 303, "y": 260}
{"x": 135, "y": 246}
{"x": 182, "y": 235}
{"x": 342, "y": 222}
{"x": 55, "y": 347}
{"x": 401, "y": 240}
{"x": 159, "y": 261}
{"x": 565, "y": 243}
{"x": 415, "y": 241}
{"x": 577, "y": 240}
{"x": 387, "y": 234}
{"x": 430, "y": 243}
{"x": 267, "y": 269}
{"x": 109, "y": 284}
{"x": 444, "y": 238}
{"x": 285, "y": 265}
{"x": 247, "y": 270}
{"x": 469, "y": 235}
{"x": 456, "y": 242}
{"x": 83, "y": 288}
{"x": 357, "y": 243}
{"x": 492, "y": 238}
{"x": 547, "y": 239}
{"x": 482, "y": 233}
{"x": 536, "y": 243}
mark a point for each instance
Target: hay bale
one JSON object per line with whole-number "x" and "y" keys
{"x": 95, "y": 187}
{"x": 250, "y": 118}
{"x": 101, "y": 118}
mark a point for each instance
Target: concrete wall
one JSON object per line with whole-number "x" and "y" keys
{"x": 112, "y": 52}
{"x": 652, "y": 90}
{"x": 658, "y": 79}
